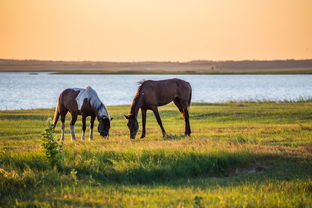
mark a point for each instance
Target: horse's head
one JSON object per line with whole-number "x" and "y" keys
{"x": 104, "y": 126}
{"x": 133, "y": 125}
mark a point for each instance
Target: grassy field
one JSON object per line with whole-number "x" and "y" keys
{"x": 239, "y": 155}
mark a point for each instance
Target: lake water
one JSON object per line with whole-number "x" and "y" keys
{"x": 20, "y": 90}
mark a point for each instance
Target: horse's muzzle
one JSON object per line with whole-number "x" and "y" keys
{"x": 104, "y": 134}
{"x": 132, "y": 136}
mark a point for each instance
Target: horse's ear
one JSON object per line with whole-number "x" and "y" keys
{"x": 127, "y": 117}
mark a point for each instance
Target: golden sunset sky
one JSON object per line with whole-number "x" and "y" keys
{"x": 155, "y": 30}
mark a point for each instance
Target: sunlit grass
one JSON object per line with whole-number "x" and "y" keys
{"x": 251, "y": 154}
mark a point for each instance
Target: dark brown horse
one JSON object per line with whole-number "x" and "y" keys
{"x": 84, "y": 102}
{"x": 151, "y": 94}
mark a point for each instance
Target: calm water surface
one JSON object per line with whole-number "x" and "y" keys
{"x": 25, "y": 91}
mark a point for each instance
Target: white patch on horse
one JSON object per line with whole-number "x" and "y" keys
{"x": 104, "y": 112}
{"x": 95, "y": 102}
{"x": 76, "y": 89}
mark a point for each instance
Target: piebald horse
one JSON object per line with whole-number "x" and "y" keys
{"x": 84, "y": 102}
{"x": 151, "y": 94}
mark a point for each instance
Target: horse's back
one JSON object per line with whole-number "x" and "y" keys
{"x": 81, "y": 101}
{"x": 67, "y": 99}
{"x": 163, "y": 92}
{"x": 174, "y": 83}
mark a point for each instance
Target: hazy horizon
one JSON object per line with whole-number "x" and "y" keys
{"x": 150, "y": 30}
{"x": 164, "y": 61}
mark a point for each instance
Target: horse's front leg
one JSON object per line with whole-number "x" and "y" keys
{"x": 91, "y": 127}
{"x": 143, "y": 122}
{"x": 156, "y": 113}
{"x": 72, "y": 124}
{"x": 84, "y": 127}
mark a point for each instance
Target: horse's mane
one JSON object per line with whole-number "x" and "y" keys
{"x": 141, "y": 83}
{"x": 137, "y": 96}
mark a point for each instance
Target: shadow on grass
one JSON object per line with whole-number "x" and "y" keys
{"x": 146, "y": 167}
{"x": 162, "y": 167}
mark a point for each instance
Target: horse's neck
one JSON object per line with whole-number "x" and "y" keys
{"x": 102, "y": 111}
{"x": 136, "y": 104}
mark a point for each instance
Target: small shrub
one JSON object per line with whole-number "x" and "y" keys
{"x": 53, "y": 148}
{"x": 73, "y": 174}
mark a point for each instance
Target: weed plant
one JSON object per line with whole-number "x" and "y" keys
{"x": 53, "y": 148}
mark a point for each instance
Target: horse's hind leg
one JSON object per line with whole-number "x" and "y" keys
{"x": 187, "y": 120}
{"x": 156, "y": 113}
{"x": 72, "y": 124}
{"x": 178, "y": 104}
{"x": 63, "y": 115}
{"x": 183, "y": 108}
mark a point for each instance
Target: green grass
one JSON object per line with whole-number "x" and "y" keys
{"x": 251, "y": 154}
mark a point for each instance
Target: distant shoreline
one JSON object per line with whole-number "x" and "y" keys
{"x": 192, "y": 67}
{"x": 298, "y": 72}
{"x": 186, "y": 73}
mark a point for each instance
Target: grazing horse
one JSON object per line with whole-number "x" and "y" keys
{"x": 151, "y": 94}
{"x": 84, "y": 102}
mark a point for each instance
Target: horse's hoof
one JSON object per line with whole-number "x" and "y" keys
{"x": 142, "y": 137}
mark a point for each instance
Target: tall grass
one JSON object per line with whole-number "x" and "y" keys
{"x": 239, "y": 155}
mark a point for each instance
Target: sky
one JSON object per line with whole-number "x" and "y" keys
{"x": 155, "y": 30}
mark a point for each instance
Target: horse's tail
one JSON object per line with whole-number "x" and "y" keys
{"x": 56, "y": 113}
{"x": 190, "y": 97}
